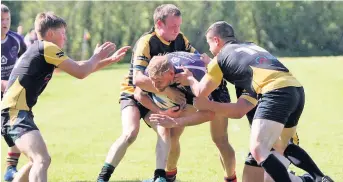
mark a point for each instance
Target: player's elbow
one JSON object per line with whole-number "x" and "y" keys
{"x": 80, "y": 75}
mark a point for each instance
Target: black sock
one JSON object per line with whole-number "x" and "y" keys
{"x": 159, "y": 173}
{"x": 105, "y": 173}
{"x": 275, "y": 169}
{"x": 302, "y": 160}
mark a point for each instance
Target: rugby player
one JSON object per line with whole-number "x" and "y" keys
{"x": 12, "y": 47}
{"x": 29, "y": 78}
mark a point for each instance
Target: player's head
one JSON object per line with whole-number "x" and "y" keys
{"x": 218, "y": 34}
{"x": 167, "y": 19}
{"x": 161, "y": 72}
{"x": 51, "y": 28}
{"x": 5, "y": 20}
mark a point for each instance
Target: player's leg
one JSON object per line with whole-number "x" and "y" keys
{"x": 298, "y": 156}
{"x": 162, "y": 149}
{"x": 175, "y": 150}
{"x": 174, "y": 153}
{"x": 264, "y": 134}
{"x": 219, "y": 135}
{"x": 130, "y": 116}
{"x": 34, "y": 147}
{"x": 12, "y": 159}
{"x": 272, "y": 114}
{"x": 23, "y": 174}
{"x": 252, "y": 172}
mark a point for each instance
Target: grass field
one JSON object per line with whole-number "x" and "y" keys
{"x": 80, "y": 119}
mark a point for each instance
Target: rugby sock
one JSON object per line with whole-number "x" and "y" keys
{"x": 105, "y": 173}
{"x": 302, "y": 160}
{"x": 275, "y": 169}
{"x": 159, "y": 173}
{"x": 171, "y": 175}
{"x": 232, "y": 178}
{"x": 12, "y": 159}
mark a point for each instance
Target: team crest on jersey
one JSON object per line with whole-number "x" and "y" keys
{"x": 14, "y": 51}
{"x": 3, "y": 59}
{"x": 60, "y": 54}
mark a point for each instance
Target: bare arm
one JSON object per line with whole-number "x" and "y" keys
{"x": 145, "y": 100}
{"x": 142, "y": 81}
{"x": 189, "y": 120}
{"x": 230, "y": 110}
{"x": 82, "y": 69}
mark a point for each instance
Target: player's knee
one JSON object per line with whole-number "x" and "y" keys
{"x": 42, "y": 160}
{"x": 130, "y": 137}
{"x": 164, "y": 132}
{"x": 221, "y": 141}
{"x": 258, "y": 152}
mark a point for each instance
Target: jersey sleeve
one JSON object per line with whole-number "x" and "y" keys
{"x": 214, "y": 72}
{"x": 189, "y": 47}
{"x": 249, "y": 95}
{"x": 53, "y": 54}
{"x": 142, "y": 55}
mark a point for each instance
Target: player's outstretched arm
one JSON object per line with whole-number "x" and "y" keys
{"x": 229, "y": 110}
{"x": 82, "y": 69}
{"x": 188, "y": 120}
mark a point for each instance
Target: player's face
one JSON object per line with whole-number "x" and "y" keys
{"x": 171, "y": 27}
{"x": 213, "y": 43}
{"x": 161, "y": 82}
{"x": 5, "y": 22}
{"x": 59, "y": 36}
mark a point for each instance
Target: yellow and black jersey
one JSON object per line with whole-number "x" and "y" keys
{"x": 251, "y": 68}
{"x": 148, "y": 46}
{"x": 31, "y": 74}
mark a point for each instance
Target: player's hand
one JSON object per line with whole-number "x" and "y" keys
{"x": 119, "y": 54}
{"x": 163, "y": 120}
{"x": 104, "y": 50}
{"x": 201, "y": 103}
{"x": 173, "y": 112}
{"x": 183, "y": 77}
{"x": 205, "y": 58}
{"x": 175, "y": 95}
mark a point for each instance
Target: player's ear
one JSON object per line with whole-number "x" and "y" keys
{"x": 159, "y": 23}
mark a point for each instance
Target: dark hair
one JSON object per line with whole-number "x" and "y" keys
{"x": 162, "y": 12}
{"x": 222, "y": 29}
{"x": 45, "y": 21}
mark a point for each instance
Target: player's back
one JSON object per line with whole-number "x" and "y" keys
{"x": 247, "y": 65}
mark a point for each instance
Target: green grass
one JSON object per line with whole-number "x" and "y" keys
{"x": 79, "y": 120}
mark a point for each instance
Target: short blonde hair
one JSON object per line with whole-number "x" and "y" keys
{"x": 158, "y": 65}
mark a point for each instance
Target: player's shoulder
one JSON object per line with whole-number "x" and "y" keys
{"x": 146, "y": 37}
{"x": 51, "y": 49}
{"x": 15, "y": 35}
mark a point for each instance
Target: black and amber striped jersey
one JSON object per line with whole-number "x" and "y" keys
{"x": 149, "y": 45}
{"x": 251, "y": 68}
{"x": 31, "y": 74}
